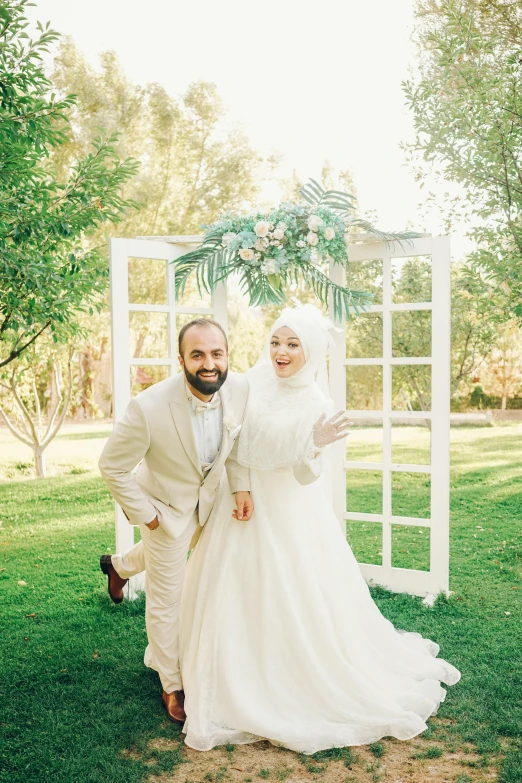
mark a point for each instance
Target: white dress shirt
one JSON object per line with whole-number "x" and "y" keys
{"x": 207, "y": 427}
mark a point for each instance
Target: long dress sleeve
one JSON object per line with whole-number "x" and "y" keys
{"x": 311, "y": 465}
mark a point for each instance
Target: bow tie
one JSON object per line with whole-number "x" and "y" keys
{"x": 202, "y": 407}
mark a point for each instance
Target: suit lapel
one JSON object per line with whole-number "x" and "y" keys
{"x": 226, "y": 406}
{"x": 180, "y": 410}
{"x": 228, "y": 415}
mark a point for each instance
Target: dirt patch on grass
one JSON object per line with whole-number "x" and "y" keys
{"x": 389, "y": 761}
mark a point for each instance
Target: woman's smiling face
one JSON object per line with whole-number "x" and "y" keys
{"x": 286, "y": 352}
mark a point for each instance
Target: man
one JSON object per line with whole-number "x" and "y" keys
{"x": 184, "y": 432}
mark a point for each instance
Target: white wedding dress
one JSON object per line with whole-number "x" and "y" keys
{"x": 280, "y": 638}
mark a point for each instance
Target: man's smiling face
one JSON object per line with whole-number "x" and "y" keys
{"x": 204, "y": 359}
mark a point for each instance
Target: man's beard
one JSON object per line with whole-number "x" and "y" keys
{"x": 206, "y": 387}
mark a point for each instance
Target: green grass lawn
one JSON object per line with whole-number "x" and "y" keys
{"x": 74, "y": 693}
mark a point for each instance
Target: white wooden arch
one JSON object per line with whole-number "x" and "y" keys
{"x": 430, "y": 582}
{"x": 426, "y": 583}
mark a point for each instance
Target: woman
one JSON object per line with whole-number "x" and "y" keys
{"x": 280, "y": 638}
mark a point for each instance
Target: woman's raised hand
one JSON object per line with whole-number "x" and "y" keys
{"x": 326, "y": 431}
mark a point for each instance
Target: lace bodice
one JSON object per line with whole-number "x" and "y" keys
{"x": 278, "y": 424}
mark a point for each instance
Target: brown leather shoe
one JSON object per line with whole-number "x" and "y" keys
{"x": 174, "y": 703}
{"x": 115, "y": 583}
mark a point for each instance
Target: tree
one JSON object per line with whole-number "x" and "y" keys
{"x": 48, "y": 272}
{"x": 193, "y": 165}
{"x": 35, "y": 396}
{"x": 473, "y": 331}
{"x": 501, "y": 375}
{"x": 467, "y": 113}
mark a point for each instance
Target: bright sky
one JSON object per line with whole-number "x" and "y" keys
{"x": 311, "y": 80}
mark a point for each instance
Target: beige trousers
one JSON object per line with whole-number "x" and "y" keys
{"x": 164, "y": 559}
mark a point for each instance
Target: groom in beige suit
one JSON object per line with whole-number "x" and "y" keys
{"x": 184, "y": 432}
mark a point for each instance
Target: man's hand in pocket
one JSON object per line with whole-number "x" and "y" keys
{"x": 153, "y": 524}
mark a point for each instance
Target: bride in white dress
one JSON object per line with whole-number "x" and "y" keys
{"x": 280, "y": 638}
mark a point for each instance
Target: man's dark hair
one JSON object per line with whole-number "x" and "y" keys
{"x": 205, "y": 322}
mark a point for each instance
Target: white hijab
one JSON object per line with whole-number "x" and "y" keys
{"x": 282, "y": 411}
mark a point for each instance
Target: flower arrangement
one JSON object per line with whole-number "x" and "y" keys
{"x": 270, "y": 250}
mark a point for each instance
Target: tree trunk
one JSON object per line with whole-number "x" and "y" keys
{"x": 56, "y": 383}
{"x": 87, "y": 383}
{"x": 139, "y": 344}
{"x": 504, "y": 400}
{"x": 39, "y": 462}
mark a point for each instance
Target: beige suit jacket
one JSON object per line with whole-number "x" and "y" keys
{"x": 156, "y": 430}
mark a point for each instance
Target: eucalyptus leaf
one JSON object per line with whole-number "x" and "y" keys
{"x": 212, "y": 263}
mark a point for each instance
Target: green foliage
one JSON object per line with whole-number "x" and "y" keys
{"x": 377, "y": 749}
{"x": 193, "y": 164}
{"x": 47, "y": 273}
{"x": 467, "y": 112}
{"x": 282, "y": 773}
{"x": 433, "y": 752}
{"x": 331, "y": 754}
{"x": 473, "y": 328}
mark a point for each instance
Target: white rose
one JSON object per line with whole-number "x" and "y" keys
{"x": 314, "y": 222}
{"x": 271, "y": 268}
{"x": 282, "y": 226}
{"x": 261, "y": 244}
{"x": 329, "y": 233}
{"x": 262, "y": 228}
{"x": 312, "y": 238}
{"x": 230, "y": 424}
{"x": 246, "y": 253}
{"x": 228, "y": 238}
{"x": 278, "y": 233}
